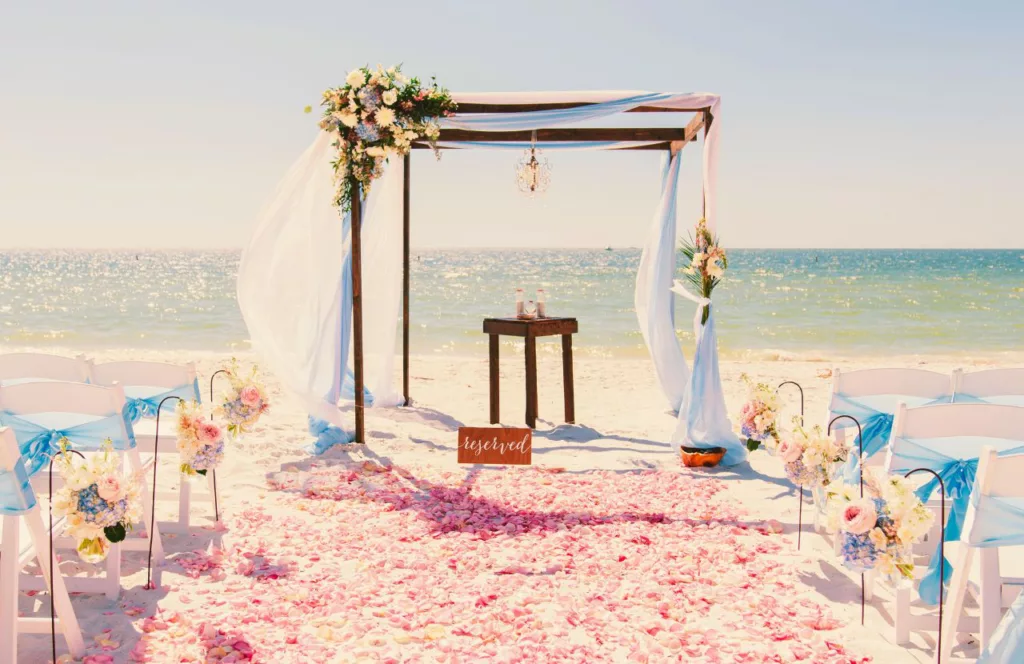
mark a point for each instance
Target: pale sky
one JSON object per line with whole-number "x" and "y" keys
{"x": 867, "y": 124}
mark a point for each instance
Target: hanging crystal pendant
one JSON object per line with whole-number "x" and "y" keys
{"x": 533, "y": 172}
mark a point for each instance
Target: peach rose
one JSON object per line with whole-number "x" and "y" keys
{"x": 209, "y": 432}
{"x": 789, "y": 451}
{"x": 250, "y": 395}
{"x": 110, "y": 489}
{"x": 860, "y": 516}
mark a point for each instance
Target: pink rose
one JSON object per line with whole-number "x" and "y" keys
{"x": 860, "y": 516}
{"x": 209, "y": 432}
{"x": 789, "y": 451}
{"x": 250, "y": 395}
{"x": 110, "y": 489}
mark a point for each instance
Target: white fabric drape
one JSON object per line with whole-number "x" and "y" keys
{"x": 654, "y": 304}
{"x": 294, "y": 283}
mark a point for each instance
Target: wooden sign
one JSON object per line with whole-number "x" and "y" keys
{"x": 500, "y": 445}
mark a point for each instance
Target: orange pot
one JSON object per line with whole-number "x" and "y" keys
{"x": 701, "y": 457}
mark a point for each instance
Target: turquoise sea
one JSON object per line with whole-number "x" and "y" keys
{"x": 799, "y": 303}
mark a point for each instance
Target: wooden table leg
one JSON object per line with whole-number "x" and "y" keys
{"x": 531, "y": 382}
{"x": 495, "y": 409}
{"x": 570, "y": 398}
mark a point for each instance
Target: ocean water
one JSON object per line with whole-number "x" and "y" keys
{"x": 788, "y": 303}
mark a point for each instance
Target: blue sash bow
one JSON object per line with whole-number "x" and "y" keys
{"x": 16, "y": 495}
{"x": 38, "y": 444}
{"x": 1000, "y": 522}
{"x": 136, "y": 408}
{"x": 957, "y": 473}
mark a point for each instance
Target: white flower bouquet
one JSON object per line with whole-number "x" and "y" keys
{"x": 98, "y": 502}
{"x": 247, "y": 400}
{"x": 878, "y": 531}
{"x": 759, "y": 414}
{"x": 200, "y": 442}
{"x": 810, "y": 457}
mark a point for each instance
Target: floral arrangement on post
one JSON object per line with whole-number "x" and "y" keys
{"x": 247, "y": 400}
{"x": 200, "y": 443}
{"x": 759, "y": 414}
{"x": 375, "y": 115}
{"x": 707, "y": 262}
{"x": 810, "y": 457}
{"x": 878, "y": 531}
{"x": 98, "y": 502}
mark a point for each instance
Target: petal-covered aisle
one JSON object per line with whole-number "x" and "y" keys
{"x": 358, "y": 562}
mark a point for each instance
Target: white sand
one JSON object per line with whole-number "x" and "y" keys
{"x": 623, "y": 423}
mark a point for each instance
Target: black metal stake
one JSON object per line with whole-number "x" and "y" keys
{"x": 800, "y": 510}
{"x": 152, "y": 505}
{"x": 860, "y": 467}
{"x": 213, "y": 471}
{"x": 942, "y": 549}
{"x": 53, "y": 560}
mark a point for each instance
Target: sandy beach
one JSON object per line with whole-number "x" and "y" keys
{"x": 622, "y": 425}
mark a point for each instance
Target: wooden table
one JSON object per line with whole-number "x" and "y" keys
{"x": 530, "y": 329}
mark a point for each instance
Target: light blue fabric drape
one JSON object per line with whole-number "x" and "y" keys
{"x": 553, "y": 117}
{"x": 995, "y": 522}
{"x": 1001, "y": 400}
{"x": 38, "y": 443}
{"x": 703, "y": 419}
{"x": 16, "y": 495}
{"x": 652, "y": 299}
{"x": 137, "y": 406}
{"x": 955, "y": 459}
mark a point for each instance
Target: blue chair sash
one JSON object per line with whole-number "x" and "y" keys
{"x": 876, "y": 426}
{"x": 136, "y": 408}
{"x": 1000, "y": 400}
{"x": 16, "y": 495}
{"x": 1007, "y": 643}
{"x": 957, "y": 473}
{"x": 1000, "y": 522}
{"x": 38, "y": 443}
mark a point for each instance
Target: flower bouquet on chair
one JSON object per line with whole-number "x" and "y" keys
{"x": 245, "y": 403}
{"x": 200, "y": 442}
{"x": 879, "y": 530}
{"x": 758, "y": 417}
{"x": 99, "y": 503}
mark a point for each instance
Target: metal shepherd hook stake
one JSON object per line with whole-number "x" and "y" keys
{"x": 942, "y": 549}
{"x": 800, "y": 509}
{"x": 52, "y": 564}
{"x": 213, "y": 471}
{"x": 860, "y": 468}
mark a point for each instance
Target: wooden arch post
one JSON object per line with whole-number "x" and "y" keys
{"x": 357, "y": 307}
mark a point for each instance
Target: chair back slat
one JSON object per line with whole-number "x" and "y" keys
{"x": 9, "y": 453}
{"x": 979, "y": 420}
{"x": 43, "y": 366}
{"x": 61, "y": 397}
{"x": 990, "y": 383}
{"x": 906, "y": 382}
{"x": 1000, "y": 476}
{"x": 149, "y": 374}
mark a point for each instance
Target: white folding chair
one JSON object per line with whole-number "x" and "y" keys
{"x": 146, "y": 385}
{"x": 937, "y": 437}
{"x": 24, "y": 540}
{"x": 26, "y": 367}
{"x": 998, "y": 490}
{"x": 999, "y": 386}
{"x": 59, "y": 408}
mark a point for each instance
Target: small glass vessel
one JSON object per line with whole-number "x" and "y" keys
{"x": 541, "y": 303}
{"x": 520, "y": 298}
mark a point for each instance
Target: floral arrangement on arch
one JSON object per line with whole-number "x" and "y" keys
{"x": 98, "y": 502}
{"x": 878, "y": 531}
{"x": 759, "y": 414}
{"x": 200, "y": 441}
{"x": 810, "y": 458}
{"x": 375, "y": 115}
{"x": 707, "y": 262}
{"x": 246, "y": 401}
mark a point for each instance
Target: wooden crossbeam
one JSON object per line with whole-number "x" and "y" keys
{"x": 559, "y": 135}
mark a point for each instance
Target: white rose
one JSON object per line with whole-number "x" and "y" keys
{"x": 389, "y": 97}
{"x": 375, "y": 151}
{"x": 79, "y": 479}
{"x": 355, "y": 77}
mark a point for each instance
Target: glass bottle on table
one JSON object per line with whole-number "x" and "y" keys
{"x": 520, "y": 300}
{"x": 541, "y": 303}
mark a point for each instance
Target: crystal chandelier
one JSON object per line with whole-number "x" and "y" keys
{"x": 533, "y": 172}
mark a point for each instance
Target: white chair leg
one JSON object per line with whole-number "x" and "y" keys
{"x": 184, "y": 501}
{"x": 991, "y": 593}
{"x": 9, "y": 592}
{"x": 55, "y": 583}
{"x": 955, "y": 599}
{"x": 902, "y": 617}
{"x": 113, "y": 569}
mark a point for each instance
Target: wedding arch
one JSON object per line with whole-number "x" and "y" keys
{"x": 307, "y": 296}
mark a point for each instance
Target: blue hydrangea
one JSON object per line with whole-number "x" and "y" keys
{"x": 370, "y": 98}
{"x": 96, "y": 510}
{"x": 858, "y": 552}
{"x": 367, "y": 132}
{"x": 209, "y": 456}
